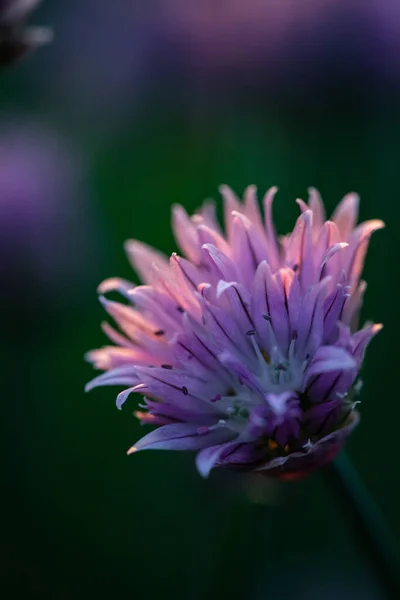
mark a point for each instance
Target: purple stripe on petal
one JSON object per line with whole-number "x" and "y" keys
{"x": 222, "y": 265}
{"x": 180, "y": 436}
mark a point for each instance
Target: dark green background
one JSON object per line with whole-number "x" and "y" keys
{"x": 81, "y": 518}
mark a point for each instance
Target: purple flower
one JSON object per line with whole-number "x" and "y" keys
{"x": 17, "y": 40}
{"x": 246, "y": 348}
{"x": 44, "y": 204}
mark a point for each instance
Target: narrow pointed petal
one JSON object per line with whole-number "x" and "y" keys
{"x": 273, "y": 246}
{"x": 353, "y": 306}
{"x": 358, "y": 246}
{"x": 231, "y": 204}
{"x": 346, "y": 214}
{"x": 251, "y": 207}
{"x": 185, "y": 234}
{"x": 331, "y": 358}
{"x": 116, "y": 284}
{"x": 119, "y": 376}
{"x": 142, "y": 257}
{"x": 179, "y": 436}
{"x": 316, "y": 205}
{"x": 207, "y": 459}
{"x": 361, "y": 339}
{"x": 221, "y": 264}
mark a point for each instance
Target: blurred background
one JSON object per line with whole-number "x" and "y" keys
{"x": 136, "y": 105}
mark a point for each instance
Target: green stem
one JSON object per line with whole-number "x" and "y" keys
{"x": 369, "y": 525}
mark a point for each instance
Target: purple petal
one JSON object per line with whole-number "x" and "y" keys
{"x": 207, "y": 459}
{"x": 330, "y": 358}
{"x": 358, "y": 245}
{"x": 316, "y": 205}
{"x": 310, "y": 319}
{"x": 116, "y": 284}
{"x": 119, "y": 376}
{"x": 181, "y": 388}
{"x": 298, "y": 464}
{"x": 273, "y": 248}
{"x": 219, "y": 262}
{"x": 142, "y": 257}
{"x": 180, "y": 436}
{"x": 186, "y": 234}
{"x": 231, "y": 204}
{"x": 346, "y": 214}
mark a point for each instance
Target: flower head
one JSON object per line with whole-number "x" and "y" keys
{"x": 245, "y": 349}
{"x": 17, "y": 40}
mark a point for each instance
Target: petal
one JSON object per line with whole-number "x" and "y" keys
{"x": 180, "y": 436}
{"x": 233, "y": 454}
{"x": 177, "y": 386}
{"x": 116, "y": 284}
{"x": 224, "y": 331}
{"x": 223, "y": 266}
{"x": 358, "y": 246}
{"x": 210, "y": 236}
{"x": 195, "y": 356}
{"x": 333, "y": 308}
{"x": 208, "y": 214}
{"x": 361, "y": 339}
{"x": 317, "y": 206}
{"x": 263, "y": 306}
{"x": 115, "y": 336}
{"x": 330, "y": 358}
{"x": 231, "y": 203}
{"x": 110, "y": 357}
{"x": 252, "y": 207}
{"x": 243, "y": 251}
{"x": 123, "y": 396}
{"x": 300, "y": 250}
{"x": 330, "y": 253}
{"x": 346, "y": 215}
{"x": 186, "y": 234}
{"x": 353, "y": 305}
{"x": 273, "y": 247}
{"x": 160, "y": 306}
{"x": 300, "y": 464}
{"x": 192, "y": 275}
{"x": 239, "y": 301}
{"x": 180, "y": 412}
{"x": 207, "y": 459}
{"x": 310, "y": 319}
{"x": 125, "y": 375}
{"x": 142, "y": 257}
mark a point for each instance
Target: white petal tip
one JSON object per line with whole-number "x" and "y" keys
{"x": 131, "y": 450}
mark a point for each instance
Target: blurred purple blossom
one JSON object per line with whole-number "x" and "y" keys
{"x": 247, "y": 349}
{"x": 16, "y": 38}
{"x": 110, "y": 58}
{"x": 45, "y": 212}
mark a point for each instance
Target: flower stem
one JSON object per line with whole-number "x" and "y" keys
{"x": 369, "y": 525}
